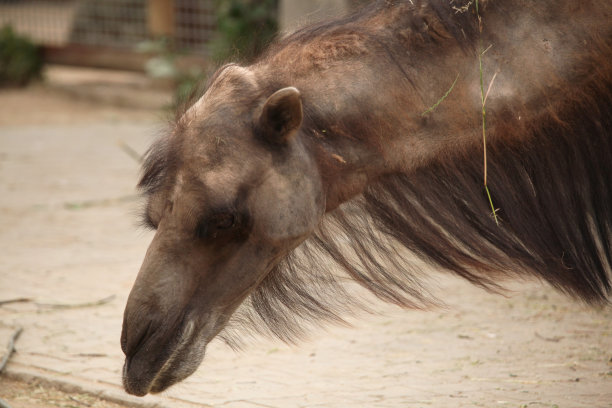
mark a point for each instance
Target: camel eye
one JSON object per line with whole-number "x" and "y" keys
{"x": 224, "y": 221}
{"x": 216, "y": 224}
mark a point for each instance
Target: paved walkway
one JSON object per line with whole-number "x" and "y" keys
{"x": 70, "y": 244}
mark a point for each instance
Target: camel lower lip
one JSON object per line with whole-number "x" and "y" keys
{"x": 150, "y": 372}
{"x": 141, "y": 385}
{"x": 134, "y": 384}
{"x": 143, "y": 375}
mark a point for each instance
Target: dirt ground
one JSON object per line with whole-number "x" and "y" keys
{"x": 71, "y": 247}
{"x": 36, "y": 394}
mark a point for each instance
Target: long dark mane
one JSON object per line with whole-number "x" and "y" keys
{"x": 550, "y": 174}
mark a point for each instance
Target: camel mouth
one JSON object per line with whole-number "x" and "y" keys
{"x": 156, "y": 366}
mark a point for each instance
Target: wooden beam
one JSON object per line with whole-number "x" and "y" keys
{"x": 160, "y": 17}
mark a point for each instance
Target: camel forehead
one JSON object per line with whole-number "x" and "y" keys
{"x": 218, "y": 125}
{"x": 218, "y": 152}
{"x": 221, "y": 167}
{"x": 229, "y": 81}
{"x": 221, "y": 148}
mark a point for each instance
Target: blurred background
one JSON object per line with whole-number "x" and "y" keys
{"x": 85, "y": 87}
{"x": 174, "y": 43}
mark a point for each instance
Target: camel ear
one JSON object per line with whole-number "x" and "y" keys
{"x": 282, "y": 115}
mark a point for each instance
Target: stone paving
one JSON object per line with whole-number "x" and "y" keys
{"x": 70, "y": 244}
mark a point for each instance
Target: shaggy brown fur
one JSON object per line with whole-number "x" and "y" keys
{"x": 550, "y": 173}
{"x": 549, "y": 165}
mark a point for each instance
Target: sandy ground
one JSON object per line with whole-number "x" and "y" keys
{"x": 71, "y": 247}
{"x": 38, "y": 394}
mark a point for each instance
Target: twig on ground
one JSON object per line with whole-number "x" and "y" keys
{"x": 78, "y": 401}
{"x": 129, "y": 151}
{"x": 4, "y": 404}
{"x": 76, "y": 305}
{"x": 10, "y": 348}
{"x": 16, "y": 300}
{"x": 77, "y": 205}
{"x": 554, "y": 339}
{"x": 90, "y": 355}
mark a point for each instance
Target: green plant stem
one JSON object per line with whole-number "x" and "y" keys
{"x": 484, "y": 114}
{"x": 435, "y": 105}
{"x": 483, "y": 100}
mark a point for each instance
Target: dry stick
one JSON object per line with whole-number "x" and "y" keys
{"x": 90, "y": 355}
{"x": 78, "y": 401}
{"x": 554, "y": 339}
{"x": 4, "y": 404}
{"x": 10, "y": 348}
{"x": 76, "y": 305}
{"x": 76, "y": 205}
{"x": 129, "y": 151}
{"x": 16, "y": 300}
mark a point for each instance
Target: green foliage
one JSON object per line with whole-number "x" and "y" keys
{"x": 20, "y": 59}
{"x": 244, "y": 28}
{"x": 164, "y": 65}
{"x": 186, "y": 85}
